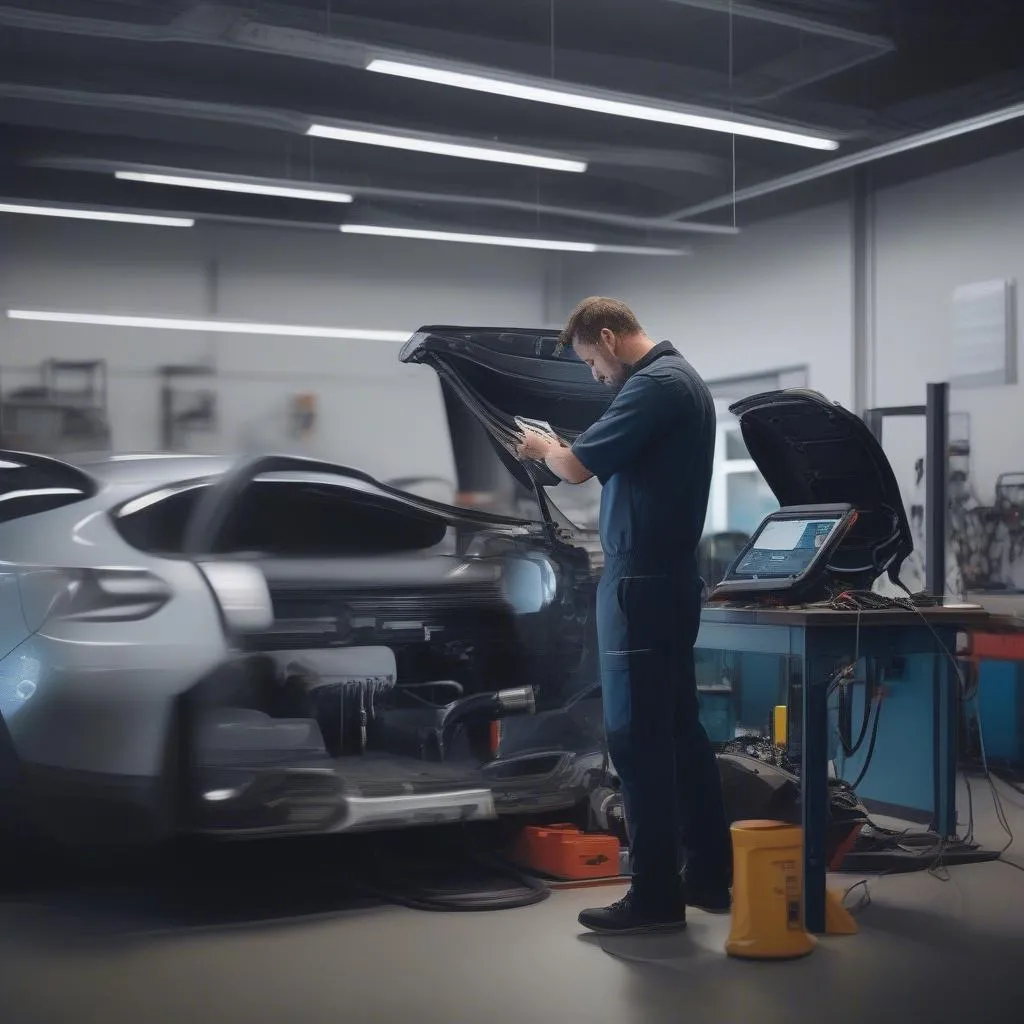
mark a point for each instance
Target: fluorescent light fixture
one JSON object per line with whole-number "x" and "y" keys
{"x": 517, "y": 242}
{"x": 455, "y": 236}
{"x": 124, "y": 218}
{"x": 217, "y": 326}
{"x": 436, "y": 146}
{"x": 583, "y": 100}
{"x": 222, "y": 185}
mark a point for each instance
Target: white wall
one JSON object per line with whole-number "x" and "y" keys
{"x": 778, "y": 295}
{"x": 283, "y": 276}
{"x": 933, "y": 235}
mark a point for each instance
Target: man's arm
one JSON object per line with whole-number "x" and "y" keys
{"x": 638, "y": 414}
{"x": 559, "y": 458}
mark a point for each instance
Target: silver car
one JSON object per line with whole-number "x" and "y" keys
{"x": 281, "y": 646}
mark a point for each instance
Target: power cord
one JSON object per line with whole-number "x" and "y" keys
{"x": 871, "y": 745}
{"x": 997, "y": 799}
{"x": 867, "y": 600}
{"x": 429, "y": 884}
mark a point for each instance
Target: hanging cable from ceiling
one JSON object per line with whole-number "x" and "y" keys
{"x": 732, "y": 110}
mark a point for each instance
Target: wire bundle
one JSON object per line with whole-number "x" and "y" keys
{"x": 910, "y": 841}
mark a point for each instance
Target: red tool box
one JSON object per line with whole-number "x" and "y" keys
{"x": 563, "y": 851}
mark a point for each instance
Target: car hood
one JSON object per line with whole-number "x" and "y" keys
{"x": 814, "y": 452}
{"x": 500, "y": 373}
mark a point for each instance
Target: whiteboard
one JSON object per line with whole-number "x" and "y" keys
{"x": 984, "y": 342}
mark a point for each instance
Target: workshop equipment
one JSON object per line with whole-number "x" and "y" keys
{"x": 185, "y": 410}
{"x": 717, "y": 713}
{"x": 66, "y": 412}
{"x": 996, "y": 666}
{"x": 936, "y": 475}
{"x": 802, "y": 591}
{"x": 780, "y": 722}
{"x": 817, "y": 639}
{"x": 841, "y": 523}
{"x": 767, "y": 893}
{"x": 563, "y": 851}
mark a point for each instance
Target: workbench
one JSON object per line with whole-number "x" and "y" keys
{"x": 816, "y": 643}
{"x": 997, "y": 655}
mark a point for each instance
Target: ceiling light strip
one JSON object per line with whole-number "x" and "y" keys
{"x": 511, "y": 241}
{"x": 584, "y": 100}
{"x": 226, "y": 185}
{"x": 457, "y": 236}
{"x": 216, "y": 326}
{"x": 441, "y": 148}
{"x": 105, "y": 215}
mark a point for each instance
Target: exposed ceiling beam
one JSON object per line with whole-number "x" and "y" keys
{"x": 802, "y": 23}
{"x": 358, "y": 41}
{"x": 865, "y": 156}
{"x": 292, "y": 122}
{"x": 611, "y": 219}
{"x": 836, "y": 50}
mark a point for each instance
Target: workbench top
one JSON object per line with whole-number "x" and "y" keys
{"x": 959, "y": 616}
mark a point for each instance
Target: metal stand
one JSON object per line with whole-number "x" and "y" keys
{"x": 198, "y": 413}
{"x": 936, "y": 416}
{"x": 936, "y": 481}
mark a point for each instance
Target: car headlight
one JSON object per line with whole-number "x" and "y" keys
{"x": 529, "y": 584}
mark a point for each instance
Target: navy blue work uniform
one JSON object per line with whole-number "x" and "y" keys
{"x": 653, "y": 451}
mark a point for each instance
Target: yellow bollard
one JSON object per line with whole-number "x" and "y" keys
{"x": 767, "y": 894}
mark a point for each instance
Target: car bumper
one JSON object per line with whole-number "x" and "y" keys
{"x": 370, "y": 793}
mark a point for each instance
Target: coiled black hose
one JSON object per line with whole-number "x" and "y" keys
{"x": 466, "y": 885}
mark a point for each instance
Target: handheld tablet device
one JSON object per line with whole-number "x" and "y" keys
{"x": 541, "y": 426}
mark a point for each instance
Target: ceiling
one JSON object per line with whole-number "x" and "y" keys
{"x": 91, "y": 86}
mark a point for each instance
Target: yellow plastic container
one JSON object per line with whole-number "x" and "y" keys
{"x": 767, "y": 894}
{"x": 780, "y": 723}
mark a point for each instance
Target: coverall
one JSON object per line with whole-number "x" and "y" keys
{"x": 653, "y": 451}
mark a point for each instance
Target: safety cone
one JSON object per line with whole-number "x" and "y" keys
{"x": 767, "y": 893}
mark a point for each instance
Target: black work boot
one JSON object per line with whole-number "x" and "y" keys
{"x": 711, "y": 897}
{"x": 633, "y": 916}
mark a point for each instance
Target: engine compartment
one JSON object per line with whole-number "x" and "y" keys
{"x": 345, "y": 703}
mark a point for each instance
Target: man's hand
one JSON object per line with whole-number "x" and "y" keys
{"x": 535, "y": 445}
{"x": 555, "y": 454}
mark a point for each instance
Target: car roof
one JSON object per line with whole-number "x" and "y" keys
{"x": 146, "y": 471}
{"x": 149, "y": 469}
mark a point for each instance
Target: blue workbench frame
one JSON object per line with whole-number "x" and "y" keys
{"x": 816, "y": 642}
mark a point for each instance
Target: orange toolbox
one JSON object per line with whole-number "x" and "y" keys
{"x": 563, "y": 851}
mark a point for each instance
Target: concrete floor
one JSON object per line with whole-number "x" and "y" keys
{"x": 136, "y": 950}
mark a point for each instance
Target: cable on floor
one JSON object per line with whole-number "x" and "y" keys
{"x": 463, "y": 879}
{"x": 457, "y": 897}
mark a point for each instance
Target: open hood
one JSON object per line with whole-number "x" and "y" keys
{"x": 814, "y": 452}
{"x": 500, "y": 373}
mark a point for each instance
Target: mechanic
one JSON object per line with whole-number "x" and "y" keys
{"x": 652, "y": 451}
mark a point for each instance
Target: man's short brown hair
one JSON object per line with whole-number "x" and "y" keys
{"x": 595, "y": 314}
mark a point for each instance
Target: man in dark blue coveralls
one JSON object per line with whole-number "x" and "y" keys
{"x": 652, "y": 450}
